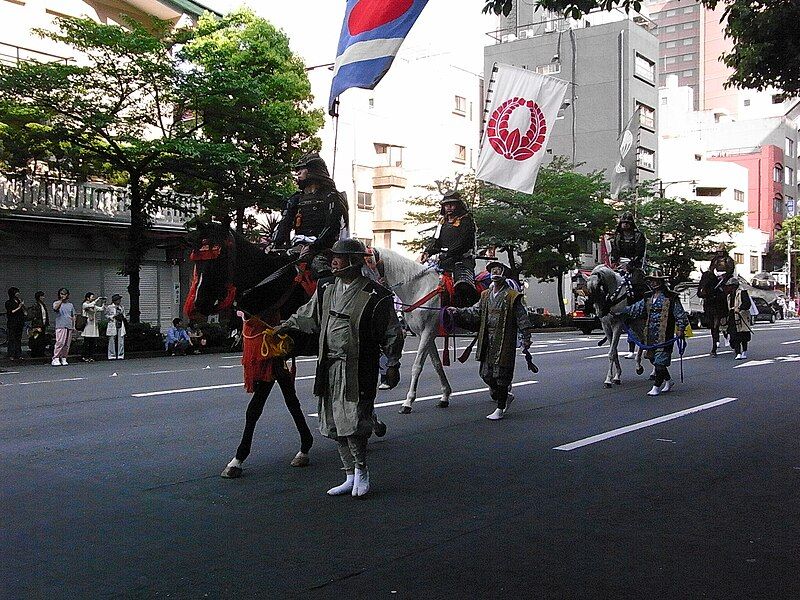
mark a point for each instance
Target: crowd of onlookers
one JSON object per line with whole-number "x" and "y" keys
{"x": 96, "y": 317}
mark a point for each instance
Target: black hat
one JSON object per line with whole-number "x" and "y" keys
{"x": 627, "y": 217}
{"x": 116, "y": 297}
{"x": 496, "y": 263}
{"x": 452, "y": 196}
{"x": 314, "y": 163}
{"x": 656, "y": 273}
{"x": 349, "y": 247}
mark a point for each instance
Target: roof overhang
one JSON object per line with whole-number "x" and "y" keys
{"x": 171, "y": 9}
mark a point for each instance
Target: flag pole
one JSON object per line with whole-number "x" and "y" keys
{"x": 335, "y": 135}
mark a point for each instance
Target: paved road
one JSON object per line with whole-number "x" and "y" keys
{"x": 111, "y": 487}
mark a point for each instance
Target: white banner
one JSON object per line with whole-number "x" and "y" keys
{"x": 522, "y": 115}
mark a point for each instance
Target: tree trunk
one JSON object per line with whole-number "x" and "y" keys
{"x": 135, "y": 251}
{"x": 561, "y": 306}
{"x": 240, "y": 219}
{"x": 512, "y": 262}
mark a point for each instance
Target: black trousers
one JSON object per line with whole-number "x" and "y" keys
{"x": 15, "y": 340}
{"x": 498, "y": 383}
{"x": 662, "y": 375}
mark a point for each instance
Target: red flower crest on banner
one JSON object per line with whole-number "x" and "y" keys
{"x": 513, "y": 144}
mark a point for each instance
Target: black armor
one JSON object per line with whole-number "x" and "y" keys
{"x": 321, "y": 215}
{"x": 630, "y": 244}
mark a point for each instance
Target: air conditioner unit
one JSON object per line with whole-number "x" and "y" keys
{"x": 550, "y": 26}
{"x": 527, "y": 33}
{"x": 509, "y": 37}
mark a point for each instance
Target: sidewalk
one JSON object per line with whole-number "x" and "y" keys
{"x": 6, "y": 363}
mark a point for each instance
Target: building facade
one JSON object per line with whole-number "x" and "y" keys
{"x": 59, "y": 233}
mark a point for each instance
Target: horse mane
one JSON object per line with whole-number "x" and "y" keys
{"x": 404, "y": 276}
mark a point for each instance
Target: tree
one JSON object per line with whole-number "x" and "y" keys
{"x": 763, "y": 33}
{"x": 254, "y": 94}
{"x": 680, "y": 232}
{"x": 546, "y": 228}
{"x": 789, "y": 227}
{"x": 133, "y": 105}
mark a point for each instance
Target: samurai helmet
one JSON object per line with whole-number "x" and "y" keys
{"x": 450, "y": 195}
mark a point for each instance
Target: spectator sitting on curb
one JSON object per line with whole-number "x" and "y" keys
{"x": 196, "y": 337}
{"x": 178, "y": 340}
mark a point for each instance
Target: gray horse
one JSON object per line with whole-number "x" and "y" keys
{"x": 609, "y": 299}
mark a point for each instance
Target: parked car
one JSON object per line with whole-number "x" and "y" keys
{"x": 766, "y": 312}
{"x": 687, "y": 292}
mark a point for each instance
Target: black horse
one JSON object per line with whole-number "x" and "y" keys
{"x": 715, "y": 304}
{"x": 227, "y": 270}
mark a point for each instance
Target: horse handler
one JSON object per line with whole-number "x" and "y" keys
{"x": 666, "y": 321}
{"x": 355, "y": 319}
{"x": 499, "y": 316}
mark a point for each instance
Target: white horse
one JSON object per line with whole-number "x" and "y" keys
{"x": 609, "y": 300}
{"x": 411, "y": 281}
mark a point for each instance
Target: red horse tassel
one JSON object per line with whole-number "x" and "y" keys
{"x": 227, "y": 302}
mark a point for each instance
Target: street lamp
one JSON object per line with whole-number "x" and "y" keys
{"x": 779, "y": 227}
{"x": 663, "y": 185}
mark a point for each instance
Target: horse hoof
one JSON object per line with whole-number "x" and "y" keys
{"x": 300, "y": 460}
{"x": 617, "y": 382}
{"x": 405, "y": 410}
{"x": 231, "y": 472}
{"x": 639, "y": 370}
{"x": 379, "y": 428}
{"x": 443, "y": 403}
{"x": 606, "y": 384}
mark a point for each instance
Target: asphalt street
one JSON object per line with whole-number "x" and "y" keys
{"x": 111, "y": 484}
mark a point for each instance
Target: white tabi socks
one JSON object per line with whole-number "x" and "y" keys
{"x": 668, "y": 384}
{"x": 496, "y": 415}
{"x": 345, "y": 488}
{"x": 655, "y": 391}
{"x": 361, "y": 483}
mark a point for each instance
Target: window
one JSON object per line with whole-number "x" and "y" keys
{"x": 790, "y": 210}
{"x": 687, "y": 57}
{"x": 738, "y": 195}
{"x": 548, "y": 69}
{"x": 671, "y": 12}
{"x": 788, "y": 176}
{"x": 777, "y": 204}
{"x": 777, "y": 173}
{"x": 713, "y": 192}
{"x": 670, "y": 60}
{"x": 372, "y": 102}
{"x": 670, "y": 44}
{"x": 689, "y": 41}
{"x": 747, "y": 102}
{"x": 670, "y": 29}
{"x": 646, "y": 158}
{"x": 688, "y": 10}
{"x": 461, "y": 105}
{"x": 777, "y": 98}
{"x": 381, "y": 148}
{"x": 738, "y": 258}
{"x": 664, "y": 101}
{"x": 754, "y": 264}
{"x": 689, "y": 25}
{"x": 460, "y": 153}
{"x": 365, "y": 200}
{"x": 645, "y": 68}
{"x": 647, "y": 116}
{"x": 698, "y": 157}
{"x": 687, "y": 73}
{"x": 789, "y": 148}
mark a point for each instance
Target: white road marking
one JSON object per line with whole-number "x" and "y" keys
{"x": 650, "y": 422}
{"x": 770, "y": 361}
{"x": 44, "y": 381}
{"x": 197, "y": 389}
{"x": 10, "y": 372}
{"x": 163, "y": 372}
{"x": 437, "y": 396}
{"x": 792, "y": 342}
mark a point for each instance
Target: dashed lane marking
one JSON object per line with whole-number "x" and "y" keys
{"x": 636, "y": 426}
{"x": 43, "y": 381}
{"x": 197, "y": 389}
{"x": 437, "y": 396}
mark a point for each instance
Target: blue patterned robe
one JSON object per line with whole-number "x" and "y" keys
{"x": 664, "y": 316}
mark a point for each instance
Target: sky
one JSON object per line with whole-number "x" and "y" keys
{"x": 456, "y": 27}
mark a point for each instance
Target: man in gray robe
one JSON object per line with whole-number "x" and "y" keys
{"x": 356, "y": 321}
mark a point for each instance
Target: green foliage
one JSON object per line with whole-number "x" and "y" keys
{"x": 680, "y": 232}
{"x": 250, "y": 92}
{"x": 139, "y": 110}
{"x": 766, "y": 47}
{"x": 788, "y": 226}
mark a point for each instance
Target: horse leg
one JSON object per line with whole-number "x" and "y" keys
{"x": 616, "y": 367}
{"x": 416, "y": 369}
{"x": 612, "y": 349}
{"x": 444, "y": 401}
{"x": 254, "y": 410}
{"x": 287, "y": 386}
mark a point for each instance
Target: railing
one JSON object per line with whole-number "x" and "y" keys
{"x": 12, "y": 55}
{"x": 734, "y": 152}
{"x": 48, "y": 196}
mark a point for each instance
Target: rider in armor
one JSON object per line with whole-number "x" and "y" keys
{"x": 628, "y": 250}
{"x": 317, "y": 214}
{"x": 454, "y": 242}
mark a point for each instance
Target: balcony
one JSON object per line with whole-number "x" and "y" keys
{"x": 12, "y": 56}
{"x": 51, "y": 199}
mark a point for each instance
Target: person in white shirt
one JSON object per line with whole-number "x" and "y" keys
{"x": 115, "y": 330}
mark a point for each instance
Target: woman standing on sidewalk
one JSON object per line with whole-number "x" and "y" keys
{"x": 65, "y": 325}
{"x": 15, "y": 312}
{"x": 91, "y": 331}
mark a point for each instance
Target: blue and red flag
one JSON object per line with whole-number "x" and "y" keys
{"x": 372, "y": 33}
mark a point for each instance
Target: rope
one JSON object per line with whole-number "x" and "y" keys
{"x": 680, "y": 342}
